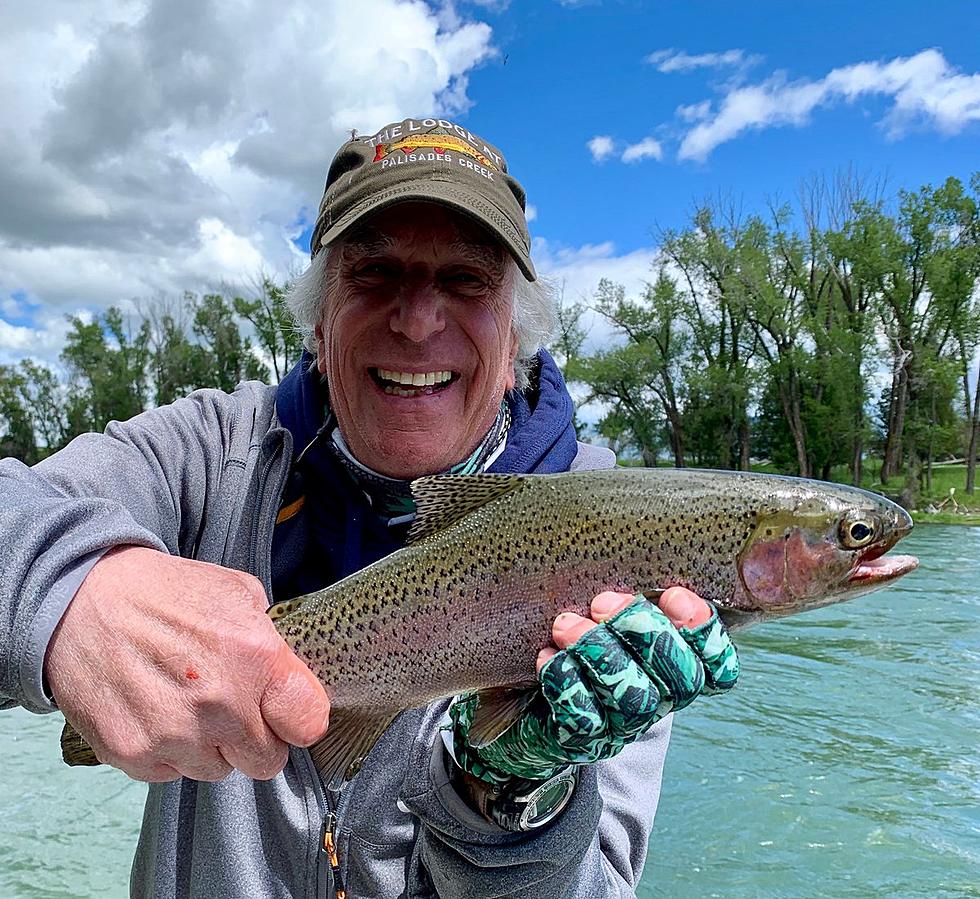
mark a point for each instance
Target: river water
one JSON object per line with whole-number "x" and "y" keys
{"x": 846, "y": 764}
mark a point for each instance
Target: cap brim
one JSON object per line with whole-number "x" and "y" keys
{"x": 445, "y": 193}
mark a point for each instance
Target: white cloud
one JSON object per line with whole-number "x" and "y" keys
{"x": 648, "y": 148}
{"x": 695, "y": 112}
{"x": 576, "y": 272}
{"x": 677, "y": 61}
{"x": 161, "y": 146}
{"x": 925, "y": 90}
{"x": 42, "y": 343}
{"x": 531, "y": 212}
{"x": 600, "y": 147}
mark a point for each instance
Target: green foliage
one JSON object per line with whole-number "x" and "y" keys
{"x": 278, "y": 338}
{"x": 638, "y": 381}
{"x": 16, "y": 429}
{"x": 796, "y": 325}
{"x": 230, "y": 356}
{"x": 107, "y": 366}
{"x": 115, "y": 365}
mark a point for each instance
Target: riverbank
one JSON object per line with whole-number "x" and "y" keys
{"x": 971, "y": 518}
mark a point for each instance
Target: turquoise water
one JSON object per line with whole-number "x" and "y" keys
{"x": 847, "y": 763}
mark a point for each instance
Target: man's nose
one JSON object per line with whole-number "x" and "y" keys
{"x": 419, "y": 312}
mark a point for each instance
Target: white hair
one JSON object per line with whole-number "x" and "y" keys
{"x": 533, "y": 316}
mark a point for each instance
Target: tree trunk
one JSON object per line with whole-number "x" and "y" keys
{"x": 896, "y": 424}
{"x": 857, "y": 451}
{"x": 743, "y": 445}
{"x": 677, "y": 439}
{"x": 791, "y": 409}
{"x": 971, "y": 453}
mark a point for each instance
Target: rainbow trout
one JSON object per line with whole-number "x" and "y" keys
{"x": 492, "y": 559}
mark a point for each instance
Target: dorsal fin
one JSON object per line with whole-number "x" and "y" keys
{"x": 281, "y": 609}
{"x": 444, "y": 499}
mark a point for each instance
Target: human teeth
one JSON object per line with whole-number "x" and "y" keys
{"x": 416, "y": 379}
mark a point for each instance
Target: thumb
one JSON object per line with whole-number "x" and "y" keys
{"x": 684, "y": 608}
{"x": 295, "y": 705}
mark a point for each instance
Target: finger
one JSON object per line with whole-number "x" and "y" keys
{"x": 713, "y": 645}
{"x": 248, "y": 744}
{"x": 152, "y": 774}
{"x": 609, "y": 603}
{"x": 576, "y": 721}
{"x": 632, "y": 701}
{"x": 295, "y": 705}
{"x": 546, "y": 654}
{"x": 568, "y": 628}
{"x": 683, "y": 607}
{"x": 208, "y": 766}
{"x": 661, "y": 651}
{"x": 259, "y": 765}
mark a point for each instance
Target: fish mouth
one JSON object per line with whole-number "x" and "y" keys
{"x": 880, "y": 569}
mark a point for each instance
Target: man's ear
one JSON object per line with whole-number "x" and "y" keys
{"x": 321, "y": 350}
{"x": 511, "y": 374}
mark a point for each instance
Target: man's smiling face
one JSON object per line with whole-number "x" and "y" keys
{"x": 415, "y": 339}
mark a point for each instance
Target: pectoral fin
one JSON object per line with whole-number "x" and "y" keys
{"x": 74, "y": 749}
{"x": 351, "y": 734}
{"x": 497, "y": 710}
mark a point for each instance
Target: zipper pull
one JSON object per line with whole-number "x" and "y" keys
{"x": 328, "y": 844}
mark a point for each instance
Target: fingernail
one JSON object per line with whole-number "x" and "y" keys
{"x": 565, "y": 619}
{"x": 684, "y": 608}
{"x": 606, "y": 603}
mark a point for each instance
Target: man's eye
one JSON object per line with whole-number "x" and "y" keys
{"x": 463, "y": 279}
{"x": 374, "y": 270}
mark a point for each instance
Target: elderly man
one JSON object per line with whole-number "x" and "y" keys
{"x": 137, "y": 566}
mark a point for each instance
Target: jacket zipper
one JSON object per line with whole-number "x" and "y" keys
{"x": 328, "y": 847}
{"x": 327, "y": 855}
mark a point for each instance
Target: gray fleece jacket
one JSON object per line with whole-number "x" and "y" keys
{"x": 202, "y": 478}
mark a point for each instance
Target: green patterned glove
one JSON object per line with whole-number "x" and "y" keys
{"x": 601, "y": 693}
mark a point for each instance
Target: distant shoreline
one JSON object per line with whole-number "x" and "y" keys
{"x": 970, "y": 519}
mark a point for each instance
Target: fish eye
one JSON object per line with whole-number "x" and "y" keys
{"x": 856, "y": 533}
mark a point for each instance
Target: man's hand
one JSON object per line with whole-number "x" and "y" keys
{"x": 606, "y": 681}
{"x": 170, "y": 667}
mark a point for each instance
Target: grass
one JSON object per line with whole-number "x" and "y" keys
{"x": 968, "y": 518}
{"x": 944, "y": 479}
{"x": 948, "y": 485}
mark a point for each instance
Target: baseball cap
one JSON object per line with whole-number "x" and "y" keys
{"x": 434, "y": 160}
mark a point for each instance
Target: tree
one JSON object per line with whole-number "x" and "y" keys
{"x": 722, "y": 344}
{"x": 277, "y": 335}
{"x": 45, "y": 398}
{"x": 230, "y": 356}
{"x": 625, "y": 377}
{"x": 107, "y": 367}
{"x": 568, "y": 344}
{"x": 16, "y": 430}
{"x": 178, "y": 365}
{"x": 653, "y": 355}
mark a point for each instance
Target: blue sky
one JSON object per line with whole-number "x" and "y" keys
{"x": 158, "y": 146}
{"x": 574, "y": 73}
